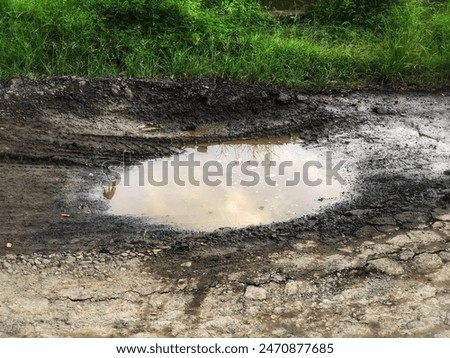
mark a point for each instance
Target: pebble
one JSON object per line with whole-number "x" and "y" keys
{"x": 387, "y": 229}
{"x": 302, "y": 98}
{"x": 255, "y": 293}
{"x": 115, "y": 89}
{"x": 291, "y": 288}
{"x": 284, "y": 98}
{"x": 182, "y": 283}
{"x": 71, "y": 260}
{"x": 128, "y": 94}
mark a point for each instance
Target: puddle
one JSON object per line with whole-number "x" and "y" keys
{"x": 229, "y": 185}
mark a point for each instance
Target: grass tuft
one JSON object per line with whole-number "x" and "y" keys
{"x": 335, "y": 43}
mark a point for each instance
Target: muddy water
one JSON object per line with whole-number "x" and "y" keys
{"x": 232, "y": 184}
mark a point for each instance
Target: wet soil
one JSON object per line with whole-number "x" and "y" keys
{"x": 59, "y": 138}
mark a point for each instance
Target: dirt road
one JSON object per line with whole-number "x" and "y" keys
{"x": 376, "y": 264}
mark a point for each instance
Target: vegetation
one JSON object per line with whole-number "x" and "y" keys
{"x": 335, "y": 43}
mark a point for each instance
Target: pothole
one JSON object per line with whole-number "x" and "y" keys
{"x": 231, "y": 184}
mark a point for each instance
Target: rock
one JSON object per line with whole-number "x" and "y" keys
{"x": 380, "y": 110}
{"x": 85, "y": 208}
{"x": 347, "y": 249}
{"x": 128, "y": 94}
{"x": 9, "y": 245}
{"x": 15, "y": 83}
{"x": 71, "y": 260}
{"x": 186, "y": 264}
{"x": 149, "y": 127}
{"x": 255, "y": 293}
{"x": 115, "y": 89}
{"x": 302, "y": 98}
{"x": 427, "y": 262}
{"x": 291, "y": 288}
{"x": 182, "y": 283}
{"x": 388, "y": 229}
{"x": 284, "y": 98}
{"x": 441, "y": 214}
{"x": 386, "y": 266}
{"x": 176, "y": 150}
{"x": 82, "y": 83}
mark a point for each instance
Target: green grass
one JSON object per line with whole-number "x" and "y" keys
{"x": 337, "y": 43}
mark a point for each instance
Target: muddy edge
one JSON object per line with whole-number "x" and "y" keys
{"x": 374, "y": 265}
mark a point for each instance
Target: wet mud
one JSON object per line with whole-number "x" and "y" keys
{"x": 62, "y": 138}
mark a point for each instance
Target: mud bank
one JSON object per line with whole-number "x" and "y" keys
{"x": 375, "y": 264}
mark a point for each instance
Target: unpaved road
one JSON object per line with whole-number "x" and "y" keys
{"x": 375, "y": 265}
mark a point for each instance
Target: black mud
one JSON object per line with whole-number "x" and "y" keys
{"x": 57, "y": 134}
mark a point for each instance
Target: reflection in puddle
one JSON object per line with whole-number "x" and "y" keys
{"x": 233, "y": 184}
{"x": 110, "y": 190}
